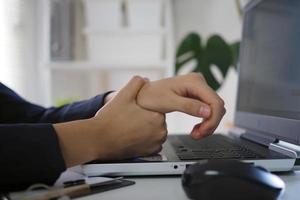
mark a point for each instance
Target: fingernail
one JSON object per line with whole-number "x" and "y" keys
{"x": 204, "y": 111}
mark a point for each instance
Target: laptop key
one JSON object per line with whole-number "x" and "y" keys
{"x": 219, "y": 148}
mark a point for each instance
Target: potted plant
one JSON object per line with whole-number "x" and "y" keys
{"x": 215, "y": 52}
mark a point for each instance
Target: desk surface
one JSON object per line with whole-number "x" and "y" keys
{"x": 169, "y": 188}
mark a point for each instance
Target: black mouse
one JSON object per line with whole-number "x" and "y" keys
{"x": 230, "y": 179}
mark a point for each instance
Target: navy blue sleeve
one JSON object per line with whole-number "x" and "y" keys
{"x": 14, "y": 109}
{"x": 30, "y": 153}
{"x": 29, "y": 146}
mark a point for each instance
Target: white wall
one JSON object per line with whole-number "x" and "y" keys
{"x": 18, "y": 68}
{"x": 203, "y": 16}
{"x": 207, "y": 17}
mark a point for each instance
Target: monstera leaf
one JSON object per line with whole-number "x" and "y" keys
{"x": 216, "y": 52}
{"x": 235, "y": 50}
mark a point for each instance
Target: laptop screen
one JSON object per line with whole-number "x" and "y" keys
{"x": 269, "y": 73}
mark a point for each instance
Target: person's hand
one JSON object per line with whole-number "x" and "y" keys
{"x": 121, "y": 129}
{"x": 189, "y": 94}
{"x": 126, "y": 129}
{"x": 109, "y": 97}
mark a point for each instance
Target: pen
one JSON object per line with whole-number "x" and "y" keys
{"x": 72, "y": 191}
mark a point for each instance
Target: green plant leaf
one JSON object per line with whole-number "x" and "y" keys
{"x": 235, "y": 50}
{"x": 216, "y": 52}
{"x": 219, "y": 53}
{"x": 189, "y": 49}
{"x": 203, "y": 67}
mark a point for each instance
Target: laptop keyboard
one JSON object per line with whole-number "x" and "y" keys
{"x": 212, "y": 147}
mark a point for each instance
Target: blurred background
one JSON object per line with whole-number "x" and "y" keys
{"x": 57, "y": 51}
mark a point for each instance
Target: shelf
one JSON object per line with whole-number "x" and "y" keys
{"x": 125, "y": 31}
{"x": 105, "y": 72}
{"x": 86, "y": 66}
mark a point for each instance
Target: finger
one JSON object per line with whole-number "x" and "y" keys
{"x": 132, "y": 88}
{"x": 191, "y": 106}
{"x": 165, "y": 125}
{"x": 207, "y": 127}
{"x": 152, "y": 150}
{"x": 146, "y": 79}
{"x": 195, "y": 132}
{"x": 157, "y": 149}
{"x": 164, "y": 135}
{"x": 198, "y": 132}
{"x": 205, "y": 93}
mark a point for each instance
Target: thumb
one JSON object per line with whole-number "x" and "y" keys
{"x": 132, "y": 88}
{"x": 192, "y": 107}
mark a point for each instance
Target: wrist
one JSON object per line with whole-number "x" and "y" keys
{"x": 77, "y": 141}
{"x": 145, "y": 99}
{"x": 109, "y": 96}
{"x": 99, "y": 138}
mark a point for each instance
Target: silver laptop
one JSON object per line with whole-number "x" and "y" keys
{"x": 267, "y": 116}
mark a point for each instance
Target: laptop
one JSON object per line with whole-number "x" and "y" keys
{"x": 267, "y": 115}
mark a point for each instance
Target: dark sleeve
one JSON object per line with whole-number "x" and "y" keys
{"x": 14, "y": 109}
{"x": 30, "y": 153}
{"x": 29, "y": 147}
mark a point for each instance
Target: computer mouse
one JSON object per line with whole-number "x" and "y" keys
{"x": 229, "y": 179}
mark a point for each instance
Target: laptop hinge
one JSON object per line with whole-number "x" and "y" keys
{"x": 273, "y": 144}
{"x": 236, "y": 132}
{"x": 265, "y": 141}
{"x": 287, "y": 149}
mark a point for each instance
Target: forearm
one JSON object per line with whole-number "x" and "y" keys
{"x": 113, "y": 133}
{"x": 77, "y": 141}
{"x": 76, "y": 138}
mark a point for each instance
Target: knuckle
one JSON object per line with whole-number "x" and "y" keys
{"x": 210, "y": 127}
{"x": 164, "y": 132}
{"x": 143, "y": 101}
{"x": 209, "y": 133}
{"x": 164, "y": 137}
{"x": 186, "y": 106}
{"x": 137, "y": 78}
{"x": 151, "y": 151}
{"x": 220, "y": 102}
{"x": 197, "y": 75}
{"x": 165, "y": 125}
{"x": 156, "y": 115}
{"x": 200, "y": 75}
{"x": 159, "y": 117}
{"x": 163, "y": 118}
{"x": 146, "y": 152}
{"x": 158, "y": 149}
{"x": 224, "y": 111}
{"x": 160, "y": 136}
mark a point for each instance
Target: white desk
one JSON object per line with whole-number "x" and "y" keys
{"x": 169, "y": 188}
